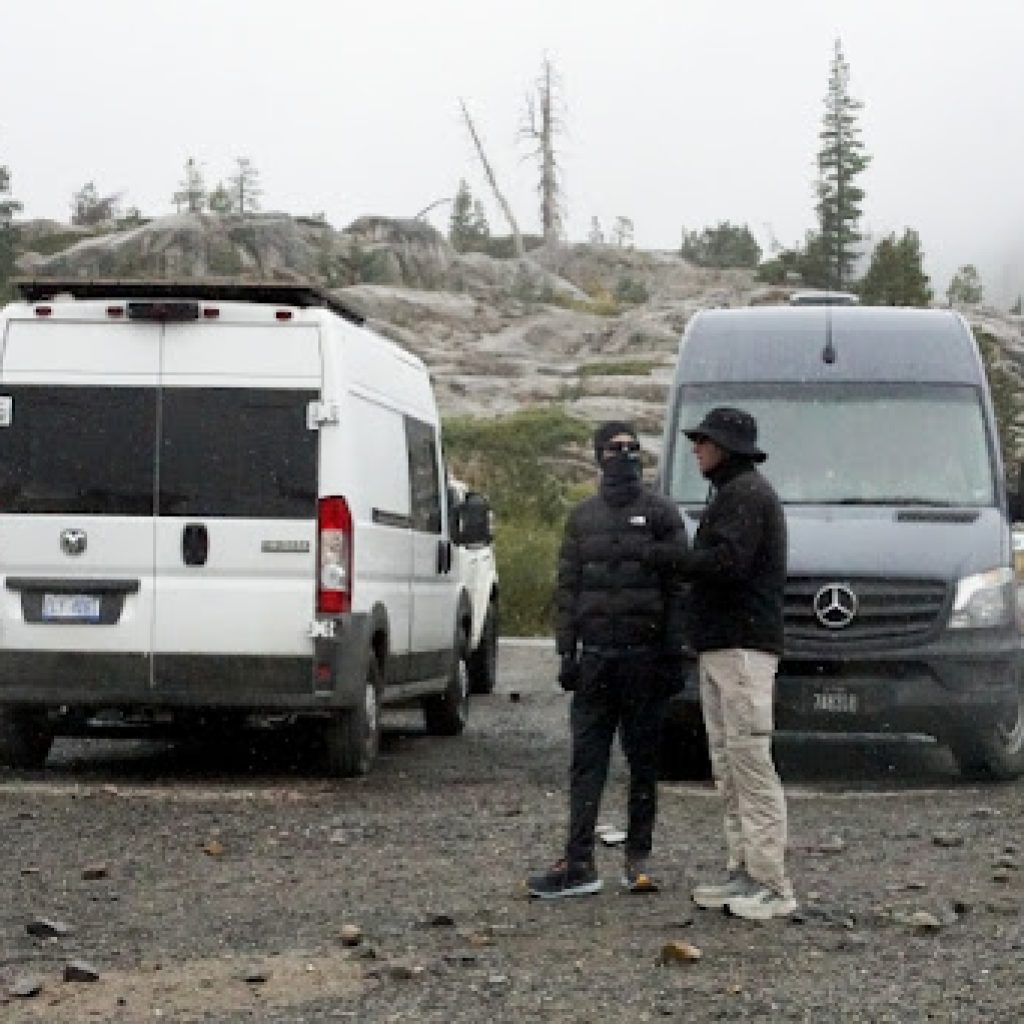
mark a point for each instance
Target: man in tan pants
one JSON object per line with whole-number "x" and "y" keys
{"x": 737, "y": 572}
{"x": 736, "y": 688}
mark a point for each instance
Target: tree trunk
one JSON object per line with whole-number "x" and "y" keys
{"x": 517, "y": 238}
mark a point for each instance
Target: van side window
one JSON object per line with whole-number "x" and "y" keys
{"x": 424, "y": 479}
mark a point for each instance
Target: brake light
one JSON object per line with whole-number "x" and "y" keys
{"x": 334, "y": 542}
{"x": 115, "y": 311}
{"x": 163, "y": 312}
{"x": 283, "y": 314}
{"x": 43, "y": 310}
{"x": 210, "y": 312}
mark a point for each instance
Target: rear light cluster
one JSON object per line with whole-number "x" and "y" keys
{"x": 334, "y": 543}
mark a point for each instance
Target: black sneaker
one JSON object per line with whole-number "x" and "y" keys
{"x": 637, "y": 877}
{"x": 565, "y": 879}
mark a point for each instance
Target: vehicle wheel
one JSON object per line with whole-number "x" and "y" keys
{"x": 684, "y": 752}
{"x": 995, "y": 751}
{"x": 352, "y": 736}
{"x": 446, "y": 714}
{"x": 483, "y": 662}
{"x": 25, "y": 739}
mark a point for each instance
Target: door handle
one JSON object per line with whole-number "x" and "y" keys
{"x": 444, "y": 556}
{"x": 195, "y": 544}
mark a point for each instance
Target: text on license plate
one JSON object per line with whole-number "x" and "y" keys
{"x": 841, "y": 701}
{"x": 71, "y": 607}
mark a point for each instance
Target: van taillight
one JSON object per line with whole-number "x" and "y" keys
{"x": 334, "y": 540}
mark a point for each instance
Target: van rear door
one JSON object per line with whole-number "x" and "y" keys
{"x": 237, "y": 491}
{"x": 78, "y": 421}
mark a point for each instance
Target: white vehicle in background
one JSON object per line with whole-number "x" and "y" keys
{"x": 221, "y": 501}
{"x": 474, "y": 566}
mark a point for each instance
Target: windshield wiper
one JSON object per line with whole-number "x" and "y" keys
{"x": 893, "y": 500}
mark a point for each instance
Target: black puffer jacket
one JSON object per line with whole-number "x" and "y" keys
{"x": 737, "y": 566}
{"x": 609, "y": 593}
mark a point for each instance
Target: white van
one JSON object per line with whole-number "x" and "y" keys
{"x": 219, "y": 500}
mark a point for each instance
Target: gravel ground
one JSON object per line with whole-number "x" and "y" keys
{"x": 228, "y": 876}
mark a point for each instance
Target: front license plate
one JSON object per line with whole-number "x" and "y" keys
{"x": 71, "y": 608}
{"x": 835, "y": 701}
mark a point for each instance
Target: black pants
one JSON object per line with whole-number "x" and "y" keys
{"x": 624, "y": 693}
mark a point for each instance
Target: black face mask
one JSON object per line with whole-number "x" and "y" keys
{"x": 621, "y": 466}
{"x": 621, "y": 475}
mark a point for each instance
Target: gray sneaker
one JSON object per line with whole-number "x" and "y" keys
{"x": 761, "y": 905}
{"x": 713, "y": 895}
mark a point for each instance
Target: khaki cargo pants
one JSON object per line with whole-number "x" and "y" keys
{"x": 736, "y": 692}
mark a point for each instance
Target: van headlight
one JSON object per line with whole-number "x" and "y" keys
{"x": 985, "y": 599}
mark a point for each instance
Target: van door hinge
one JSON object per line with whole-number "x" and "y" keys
{"x": 321, "y": 629}
{"x": 319, "y": 413}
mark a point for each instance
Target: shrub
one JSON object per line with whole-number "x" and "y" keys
{"x": 622, "y": 368}
{"x": 512, "y": 460}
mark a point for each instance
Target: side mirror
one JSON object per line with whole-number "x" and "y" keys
{"x": 473, "y": 521}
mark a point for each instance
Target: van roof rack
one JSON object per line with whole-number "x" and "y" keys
{"x": 282, "y": 293}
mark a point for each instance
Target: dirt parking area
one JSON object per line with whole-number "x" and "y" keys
{"x": 224, "y": 883}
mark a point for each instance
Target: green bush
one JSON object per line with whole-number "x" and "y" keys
{"x": 512, "y": 460}
{"x": 527, "y": 552}
{"x": 622, "y": 368}
{"x": 629, "y": 289}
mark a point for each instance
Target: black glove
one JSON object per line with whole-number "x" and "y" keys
{"x": 569, "y": 672}
{"x": 664, "y": 555}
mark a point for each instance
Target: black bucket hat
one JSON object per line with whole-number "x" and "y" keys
{"x": 731, "y": 429}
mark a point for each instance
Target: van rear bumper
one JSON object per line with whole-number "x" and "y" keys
{"x": 913, "y": 691}
{"x": 332, "y": 676}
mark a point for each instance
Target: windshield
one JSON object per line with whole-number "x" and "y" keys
{"x": 852, "y": 444}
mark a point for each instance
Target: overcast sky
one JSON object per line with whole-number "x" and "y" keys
{"x": 678, "y": 112}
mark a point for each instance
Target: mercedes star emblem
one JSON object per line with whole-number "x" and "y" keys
{"x": 835, "y": 605}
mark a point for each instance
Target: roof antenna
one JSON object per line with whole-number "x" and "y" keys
{"x": 828, "y": 353}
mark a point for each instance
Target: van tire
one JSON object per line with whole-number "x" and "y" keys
{"x": 446, "y": 714}
{"x": 483, "y": 662}
{"x": 25, "y": 739}
{"x": 352, "y": 736}
{"x": 994, "y": 751}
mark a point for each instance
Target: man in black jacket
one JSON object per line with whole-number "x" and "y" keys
{"x": 618, "y": 631}
{"x": 737, "y": 572}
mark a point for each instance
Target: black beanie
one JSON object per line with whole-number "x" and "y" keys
{"x": 608, "y": 430}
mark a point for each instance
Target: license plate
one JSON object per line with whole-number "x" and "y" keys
{"x": 71, "y": 607}
{"x": 835, "y": 701}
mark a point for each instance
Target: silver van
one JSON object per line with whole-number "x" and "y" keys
{"x": 900, "y": 609}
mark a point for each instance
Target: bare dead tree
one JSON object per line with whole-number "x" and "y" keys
{"x": 543, "y": 124}
{"x": 517, "y": 238}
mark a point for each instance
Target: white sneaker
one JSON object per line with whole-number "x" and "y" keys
{"x": 761, "y": 905}
{"x": 712, "y": 895}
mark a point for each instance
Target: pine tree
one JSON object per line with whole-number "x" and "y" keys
{"x": 460, "y": 222}
{"x": 192, "y": 191}
{"x": 840, "y": 160}
{"x": 8, "y": 232}
{"x": 896, "y": 275}
{"x": 596, "y": 235}
{"x": 726, "y": 245}
{"x": 965, "y": 289}
{"x": 221, "y": 200}
{"x": 479, "y": 228}
{"x": 88, "y": 207}
{"x": 244, "y": 186}
{"x": 622, "y": 233}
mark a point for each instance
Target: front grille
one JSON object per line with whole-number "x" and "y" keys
{"x": 886, "y": 610}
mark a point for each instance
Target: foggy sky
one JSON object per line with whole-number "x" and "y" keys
{"x": 678, "y": 112}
